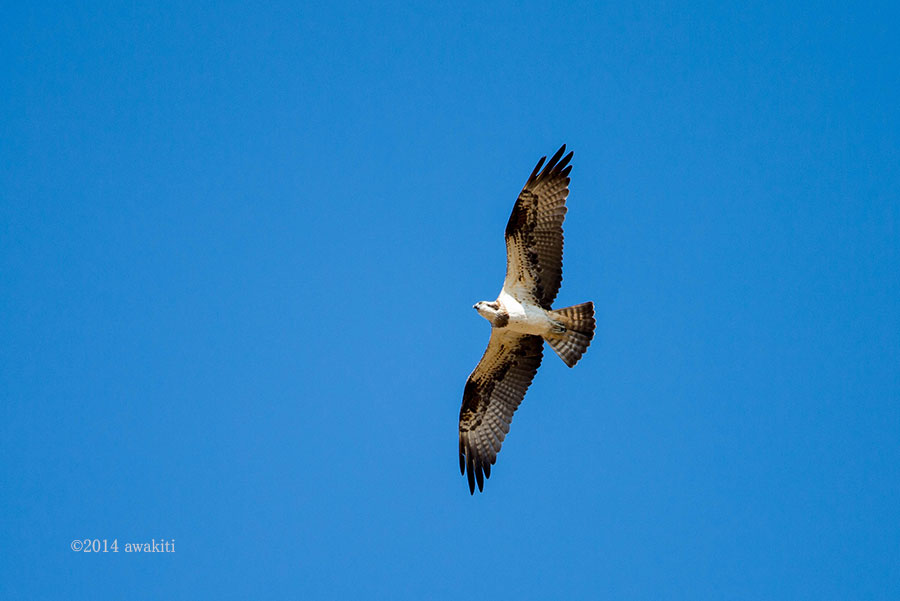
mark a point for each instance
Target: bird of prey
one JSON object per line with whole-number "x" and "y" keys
{"x": 522, "y": 319}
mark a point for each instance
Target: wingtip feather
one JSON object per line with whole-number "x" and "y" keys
{"x": 556, "y": 156}
{"x": 537, "y": 169}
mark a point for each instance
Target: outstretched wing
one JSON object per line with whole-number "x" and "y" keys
{"x": 534, "y": 235}
{"x": 493, "y": 393}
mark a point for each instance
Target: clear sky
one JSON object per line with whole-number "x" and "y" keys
{"x": 239, "y": 249}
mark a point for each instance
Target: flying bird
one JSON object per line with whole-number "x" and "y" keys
{"x": 522, "y": 318}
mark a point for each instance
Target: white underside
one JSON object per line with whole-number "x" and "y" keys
{"x": 525, "y": 317}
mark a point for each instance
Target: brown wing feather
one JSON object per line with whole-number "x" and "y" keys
{"x": 492, "y": 394}
{"x": 534, "y": 235}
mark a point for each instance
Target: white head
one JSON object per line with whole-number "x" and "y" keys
{"x": 493, "y": 312}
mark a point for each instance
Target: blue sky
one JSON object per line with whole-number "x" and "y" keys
{"x": 239, "y": 249}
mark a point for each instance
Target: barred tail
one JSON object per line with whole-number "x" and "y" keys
{"x": 573, "y": 341}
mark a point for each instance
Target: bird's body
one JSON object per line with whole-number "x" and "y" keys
{"x": 521, "y": 316}
{"x": 522, "y": 319}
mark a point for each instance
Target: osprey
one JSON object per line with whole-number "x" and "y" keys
{"x": 522, "y": 319}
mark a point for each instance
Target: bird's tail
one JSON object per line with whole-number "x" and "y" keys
{"x": 578, "y": 325}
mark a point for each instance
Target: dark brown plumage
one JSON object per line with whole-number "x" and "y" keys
{"x": 536, "y": 224}
{"x": 492, "y": 394}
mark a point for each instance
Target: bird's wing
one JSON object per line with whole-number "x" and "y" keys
{"x": 534, "y": 235}
{"x": 493, "y": 392}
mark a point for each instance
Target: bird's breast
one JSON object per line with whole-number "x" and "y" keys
{"x": 524, "y": 317}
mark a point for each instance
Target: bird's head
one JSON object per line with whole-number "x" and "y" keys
{"x": 488, "y": 309}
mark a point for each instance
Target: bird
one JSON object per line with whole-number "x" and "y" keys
{"x": 522, "y": 319}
